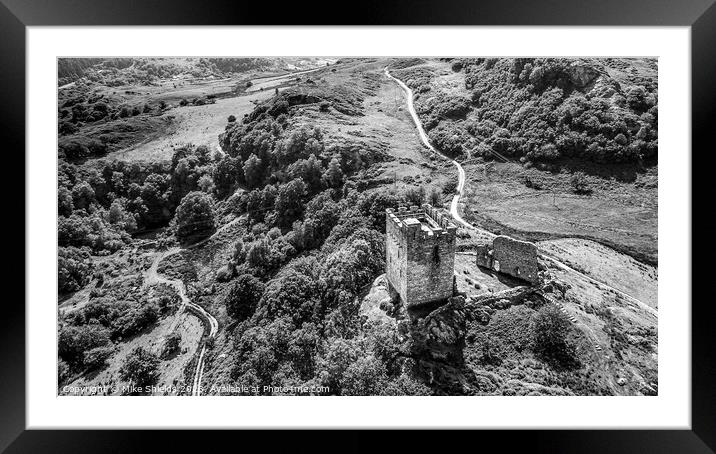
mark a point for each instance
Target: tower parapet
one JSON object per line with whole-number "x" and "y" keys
{"x": 420, "y": 253}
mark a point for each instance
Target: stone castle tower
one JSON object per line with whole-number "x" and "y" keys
{"x": 419, "y": 254}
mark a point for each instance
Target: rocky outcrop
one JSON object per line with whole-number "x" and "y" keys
{"x": 440, "y": 335}
{"x": 379, "y": 301}
{"x": 582, "y": 74}
{"x": 501, "y": 300}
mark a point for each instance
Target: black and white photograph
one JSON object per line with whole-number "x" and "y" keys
{"x": 443, "y": 219}
{"x": 357, "y": 226}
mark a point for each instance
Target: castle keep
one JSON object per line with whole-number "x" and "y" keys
{"x": 510, "y": 256}
{"x": 420, "y": 254}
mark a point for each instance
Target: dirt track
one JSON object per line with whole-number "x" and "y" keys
{"x": 153, "y": 278}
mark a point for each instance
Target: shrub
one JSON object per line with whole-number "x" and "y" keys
{"x": 531, "y": 182}
{"x": 579, "y": 183}
{"x": 550, "y": 331}
{"x": 450, "y": 186}
{"x": 489, "y": 349}
{"x": 172, "y": 342}
{"x": 547, "y": 152}
{"x": 140, "y": 367}
{"x": 67, "y": 127}
{"x": 63, "y": 371}
{"x": 135, "y": 321}
{"x": 232, "y": 118}
{"x": 97, "y": 357}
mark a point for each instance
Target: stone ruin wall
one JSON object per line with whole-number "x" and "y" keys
{"x": 430, "y": 267}
{"x": 510, "y": 256}
{"x": 420, "y": 266}
{"x": 395, "y": 265}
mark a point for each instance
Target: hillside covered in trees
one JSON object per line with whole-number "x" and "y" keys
{"x": 541, "y": 110}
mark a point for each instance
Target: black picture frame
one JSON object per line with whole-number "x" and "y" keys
{"x": 700, "y": 15}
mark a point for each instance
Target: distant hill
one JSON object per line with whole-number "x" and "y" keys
{"x": 121, "y": 71}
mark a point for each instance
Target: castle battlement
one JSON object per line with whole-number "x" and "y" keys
{"x": 425, "y": 223}
{"x": 420, "y": 253}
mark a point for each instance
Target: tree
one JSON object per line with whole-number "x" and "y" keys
{"x": 243, "y": 297}
{"x": 365, "y": 377}
{"x": 310, "y": 170}
{"x": 232, "y": 118}
{"x": 74, "y": 268}
{"x": 194, "y": 216}
{"x": 140, "y": 367}
{"x": 119, "y": 216}
{"x": 257, "y": 253}
{"x": 65, "y": 205}
{"x": 74, "y": 341}
{"x": 239, "y": 254}
{"x": 288, "y": 204}
{"x": 550, "y": 337}
{"x": 414, "y": 196}
{"x": 333, "y": 176}
{"x": 435, "y": 197}
{"x": 294, "y": 293}
{"x": 253, "y": 171}
{"x": 83, "y": 195}
{"x": 227, "y": 174}
{"x": 355, "y": 264}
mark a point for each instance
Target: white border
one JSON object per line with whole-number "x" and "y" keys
{"x": 671, "y": 409}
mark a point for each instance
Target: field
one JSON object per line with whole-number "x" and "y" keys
{"x": 198, "y": 125}
{"x": 622, "y": 215}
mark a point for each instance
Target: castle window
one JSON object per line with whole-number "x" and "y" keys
{"x": 436, "y": 254}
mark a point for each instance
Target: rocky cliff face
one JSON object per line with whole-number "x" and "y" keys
{"x": 582, "y": 74}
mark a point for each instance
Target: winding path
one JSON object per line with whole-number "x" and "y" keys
{"x": 454, "y": 205}
{"x": 454, "y": 211}
{"x": 153, "y": 278}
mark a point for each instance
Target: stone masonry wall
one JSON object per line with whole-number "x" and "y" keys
{"x": 395, "y": 263}
{"x": 420, "y": 265}
{"x": 510, "y": 256}
{"x": 430, "y": 267}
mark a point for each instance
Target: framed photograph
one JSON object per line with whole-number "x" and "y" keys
{"x": 430, "y": 216}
